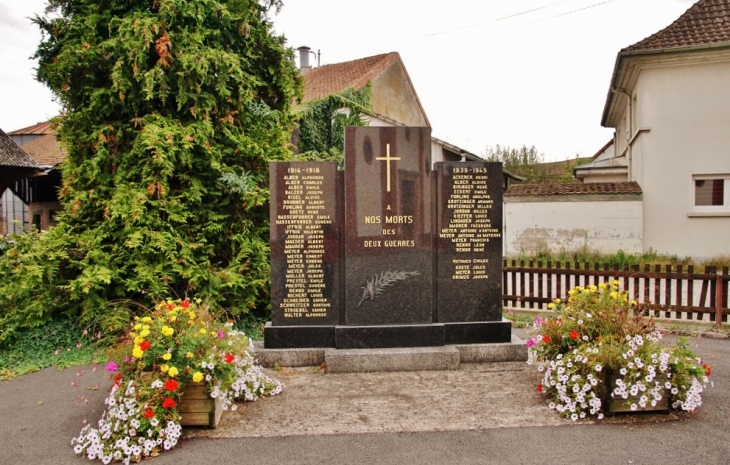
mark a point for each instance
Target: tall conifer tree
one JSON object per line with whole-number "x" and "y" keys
{"x": 171, "y": 110}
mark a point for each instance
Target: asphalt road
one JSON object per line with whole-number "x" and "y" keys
{"x": 42, "y": 411}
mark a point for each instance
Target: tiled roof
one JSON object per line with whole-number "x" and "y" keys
{"x": 523, "y": 190}
{"x": 46, "y": 150}
{"x": 12, "y": 155}
{"x": 706, "y": 22}
{"x": 39, "y": 128}
{"x": 330, "y": 79}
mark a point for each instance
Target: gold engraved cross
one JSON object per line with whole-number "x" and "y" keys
{"x": 388, "y": 158}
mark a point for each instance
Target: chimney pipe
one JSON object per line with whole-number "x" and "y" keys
{"x": 304, "y": 65}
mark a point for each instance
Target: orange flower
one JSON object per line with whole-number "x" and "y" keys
{"x": 708, "y": 369}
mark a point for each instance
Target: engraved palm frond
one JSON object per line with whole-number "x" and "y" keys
{"x": 378, "y": 284}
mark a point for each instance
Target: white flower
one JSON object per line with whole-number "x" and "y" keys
{"x": 599, "y": 367}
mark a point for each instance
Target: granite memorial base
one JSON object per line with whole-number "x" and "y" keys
{"x": 447, "y": 357}
{"x": 384, "y": 336}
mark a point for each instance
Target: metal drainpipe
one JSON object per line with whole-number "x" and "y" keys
{"x": 630, "y": 128}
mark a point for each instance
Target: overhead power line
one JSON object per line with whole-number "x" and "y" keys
{"x": 521, "y": 13}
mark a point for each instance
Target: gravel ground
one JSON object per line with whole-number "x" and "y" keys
{"x": 479, "y": 414}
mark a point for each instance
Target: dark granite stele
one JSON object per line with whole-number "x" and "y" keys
{"x": 392, "y": 252}
{"x": 386, "y": 336}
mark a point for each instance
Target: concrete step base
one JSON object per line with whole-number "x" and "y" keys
{"x": 401, "y": 359}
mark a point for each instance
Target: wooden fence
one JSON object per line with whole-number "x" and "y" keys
{"x": 674, "y": 292}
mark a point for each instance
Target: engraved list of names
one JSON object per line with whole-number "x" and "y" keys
{"x": 305, "y": 281}
{"x": 469, "y": 239}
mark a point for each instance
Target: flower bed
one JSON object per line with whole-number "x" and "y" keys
{"x": 177, "y": 345}
{"x": 598, "y": 330}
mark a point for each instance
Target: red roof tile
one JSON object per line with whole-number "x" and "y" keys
{"x": 524, "y": 190}
{"x": 46, "y": 150}
{"x": 706, "y": 22}
{"x": 39, "y": 128}
{"x": 330, "y": 79}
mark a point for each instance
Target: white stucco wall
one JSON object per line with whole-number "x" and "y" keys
{"x": 568, "y": 223}
{"x": 686, "y": 108}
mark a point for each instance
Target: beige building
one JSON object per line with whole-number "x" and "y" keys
{"x": 669, "y": 103}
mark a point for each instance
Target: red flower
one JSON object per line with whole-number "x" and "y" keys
{"x": 169, "y": 402}
{"x": 145, "y": 345}
{"x": 574, "y": 335}
{"x": 171, "y": 384}
{"x": 708, "y": 369}
{"x": 170, "y": 306}
{"x": 539, "y": 388}
{"x": 546, "y": 338}
{"x": 148, "y": 413}
{"x": 117, "y": 379}
{"x": 185, "y": 304}
{"x": 229, "y": 357}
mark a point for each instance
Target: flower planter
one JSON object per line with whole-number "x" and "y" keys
{"x": 615, "y": 404}
{"x": 197, "y": 408}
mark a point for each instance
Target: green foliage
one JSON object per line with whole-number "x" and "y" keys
{"x": 620, "y": 258}
{"x": 171, "y": 112}
{"x": 59, "y": 342}
{"x": 322, "y": 122}
{"x": 530, "y": 164}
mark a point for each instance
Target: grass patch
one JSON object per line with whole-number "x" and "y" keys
{"x": 620, "y": 258}
{"x": 518, "y": 321}
{"x": 59, "y": 343}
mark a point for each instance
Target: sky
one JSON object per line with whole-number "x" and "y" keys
{"x": 487, "y": 72}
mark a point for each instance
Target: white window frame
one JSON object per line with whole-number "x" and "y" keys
{"x": 710, "y": 210}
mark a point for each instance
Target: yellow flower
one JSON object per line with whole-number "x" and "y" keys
{"x": 616, "y": 281}
{"x": 203, "y": 330}
{"x": 137, "y": 327}
{"x": 593, "y": 287}
{"x": 172, "y": 372}
{"x": 173, "y": 318}
{"x": 146, "y": 319}
{"x": 197, "y": 377}
{"x": 167, "y": 356}
{"x": 164, "y": 368}
{"x": 138, "y": 340}
{"x": 614, "y": 295}
{"x": 632, "y": 303}
{"x": 197, "y": 301}
{"x": 191, "y": 315}
{"x": 189, "y": 355}
{"x": 572, "y": 292}
{"x": 137, "y": 352}
{"x": 603, "y": 285}
{"x": 167, "y": 331}
{"x": 144, "y": 333}
{"x": 551, "y": 306}
{"x": 557, "y": 301}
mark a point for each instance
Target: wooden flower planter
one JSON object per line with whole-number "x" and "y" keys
{"x": 619, "y": 404}
{"x": 197, "y": 408}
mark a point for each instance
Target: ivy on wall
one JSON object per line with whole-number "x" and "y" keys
{"x": 322, "y": 122}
